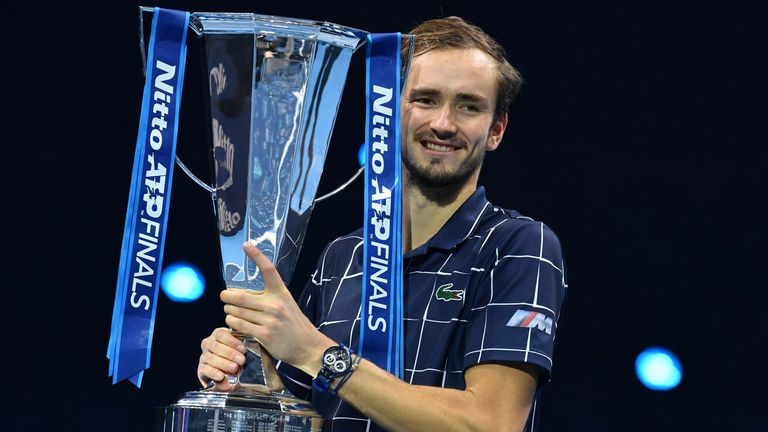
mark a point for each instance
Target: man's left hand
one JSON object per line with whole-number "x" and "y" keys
{"x": 274, "y": 318}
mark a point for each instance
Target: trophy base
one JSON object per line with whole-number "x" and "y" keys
{"x": 240, "y": 411}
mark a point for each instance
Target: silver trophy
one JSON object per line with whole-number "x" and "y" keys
{"x": 274, "y": 85}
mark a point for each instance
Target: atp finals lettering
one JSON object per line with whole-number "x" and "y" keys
{"x": 381, "y": 204}
{"x": 154, "y": 181}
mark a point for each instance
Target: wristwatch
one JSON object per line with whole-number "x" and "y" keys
{"x": 336, "y": 362}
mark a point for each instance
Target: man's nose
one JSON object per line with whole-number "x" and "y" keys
{"x": 443, "y": 124}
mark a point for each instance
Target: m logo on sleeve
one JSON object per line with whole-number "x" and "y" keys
{"x": 445, "y": 293}
{"x": 530, "y": 319}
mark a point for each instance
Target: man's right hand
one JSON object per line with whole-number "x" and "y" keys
{"x": 223, "y": 355}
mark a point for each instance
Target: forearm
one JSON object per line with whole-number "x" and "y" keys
{"x": 398, "y": 406}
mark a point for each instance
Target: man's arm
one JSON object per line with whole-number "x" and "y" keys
{"x": 497, "y": 397}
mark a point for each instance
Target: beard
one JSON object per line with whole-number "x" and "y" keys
{"x": 438, "y": 183}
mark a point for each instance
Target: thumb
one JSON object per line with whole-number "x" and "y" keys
{"x": 272, "y": 278}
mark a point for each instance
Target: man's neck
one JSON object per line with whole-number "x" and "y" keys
{"x": 423, "y": 216}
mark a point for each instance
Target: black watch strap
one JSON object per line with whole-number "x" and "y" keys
{"x": 344, "y": 379}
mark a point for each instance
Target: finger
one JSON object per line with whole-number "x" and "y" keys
{"x": 207, "y": 374}
{"x": 225, "y": 337}
{"x": 243, "y": 298}
{"x": 211, "y": 344}
{"x": 244, "y": 326}
{"x": 219, "y": 363}
{"x": 268, "y": 271}
{"x": 255, "y": 317}
{"x": 230, "y": 354}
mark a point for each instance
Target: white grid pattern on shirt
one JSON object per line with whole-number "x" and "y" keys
{"x": 426, "y": 311}
{"x": 413, "y": 370}
{"x": 524, "y": 351}
{"x": 345, "y": 276}
{"x": 424, "y": 318}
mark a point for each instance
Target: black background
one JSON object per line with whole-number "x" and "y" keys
{"x": 639, "y": 138}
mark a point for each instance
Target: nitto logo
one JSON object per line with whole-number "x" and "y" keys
{"x": 445, "y": 293}
{"x": 524, "y": 318}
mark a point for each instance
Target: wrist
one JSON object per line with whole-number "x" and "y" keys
{"x": 312, "y": 361}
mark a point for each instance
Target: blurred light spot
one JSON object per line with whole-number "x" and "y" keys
{"x": 182, "y": 282}
{"x": 361, "y": 155}
{"x": 658, "y": 369}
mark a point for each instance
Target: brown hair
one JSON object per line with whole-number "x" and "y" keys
{"x": 455, "y": 32}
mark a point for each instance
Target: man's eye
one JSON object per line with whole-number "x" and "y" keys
{"x": 470, "y": 108}
{"x": 423, "y": 101}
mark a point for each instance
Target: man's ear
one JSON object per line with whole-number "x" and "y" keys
{"x": 496, "y": 133}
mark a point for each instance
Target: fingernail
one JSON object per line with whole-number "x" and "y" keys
{"x": 241, "y": 348}
{"x": 233, "y": 367}
{"x": 239, "y": 359}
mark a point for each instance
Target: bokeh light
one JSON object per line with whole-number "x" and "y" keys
{"x": 658, "y": 369}
{"x": 182, "y": 282}
{"x": 361, "y": 155}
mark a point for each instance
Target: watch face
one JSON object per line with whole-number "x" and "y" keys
{"x": 337, "y": 360}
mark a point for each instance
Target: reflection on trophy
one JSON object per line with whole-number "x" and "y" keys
{"x": 274, "y": 91}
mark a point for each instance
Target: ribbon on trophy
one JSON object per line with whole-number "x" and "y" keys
{"x": 381, "y": 332}
{"x": 133, "y": 315}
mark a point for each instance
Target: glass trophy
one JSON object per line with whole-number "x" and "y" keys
{"x": 274, "y": 87}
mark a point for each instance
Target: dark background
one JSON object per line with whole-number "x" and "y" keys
{"x": 640, "y": 138}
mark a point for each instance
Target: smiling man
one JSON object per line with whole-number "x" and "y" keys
{"x": 483, "y": 285}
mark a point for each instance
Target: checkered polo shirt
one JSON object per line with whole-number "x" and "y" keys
{"x": 488, "y": 287}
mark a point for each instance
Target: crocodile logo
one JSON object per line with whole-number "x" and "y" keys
{"x": 445, "y": 293}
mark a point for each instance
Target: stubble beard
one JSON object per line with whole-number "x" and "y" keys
{"x": 438, "y": 184}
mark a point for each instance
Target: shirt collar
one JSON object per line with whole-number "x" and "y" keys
{"x": 461, "y": 225}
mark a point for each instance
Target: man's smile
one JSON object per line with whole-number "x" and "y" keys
{"x": 439, "y": 146}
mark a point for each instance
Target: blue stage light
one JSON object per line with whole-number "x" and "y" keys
{"x": 658, "y": 369}
{"x": 361, "y": 155}
{"x": 182, "y": 282}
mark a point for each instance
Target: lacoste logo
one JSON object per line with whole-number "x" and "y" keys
{"x": 445, "y": 293}
{"x": 524, "y": 318}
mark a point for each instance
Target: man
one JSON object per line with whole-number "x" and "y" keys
{"x": 483, "y": 285}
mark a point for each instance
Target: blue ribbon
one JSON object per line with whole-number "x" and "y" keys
{"x": 138, "y": 280}
{"x": 381, "y": 332}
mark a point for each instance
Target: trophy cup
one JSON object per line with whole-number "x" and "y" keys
{"x": 274, "y": 90}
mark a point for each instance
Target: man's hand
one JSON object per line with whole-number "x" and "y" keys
{"x": 223, "y": 354}
{"x": 274, "y": 318}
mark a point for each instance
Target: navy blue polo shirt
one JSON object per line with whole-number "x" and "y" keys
{"x": 488, "y": 287}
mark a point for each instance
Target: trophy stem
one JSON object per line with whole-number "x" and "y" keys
{"x": 258, "y": 374}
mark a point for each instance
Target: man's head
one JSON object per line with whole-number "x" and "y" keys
{"x": 455, "y": 32}
{"x": 454, "y": 107}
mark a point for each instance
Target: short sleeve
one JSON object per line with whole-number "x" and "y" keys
{"x": 514, "y": 311}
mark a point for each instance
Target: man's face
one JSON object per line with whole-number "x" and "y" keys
{"x": 447, "y": 116}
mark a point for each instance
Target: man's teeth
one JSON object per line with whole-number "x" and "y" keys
{"x": 437, "y": 147}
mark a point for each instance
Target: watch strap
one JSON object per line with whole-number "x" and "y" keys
{"x": 346, "y": 376}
